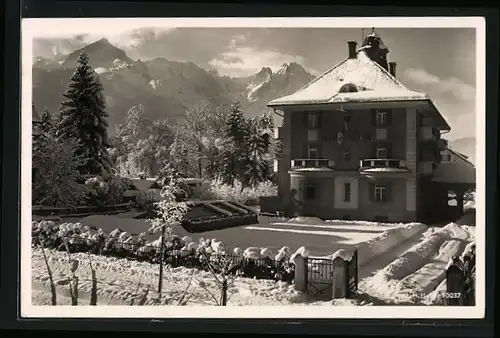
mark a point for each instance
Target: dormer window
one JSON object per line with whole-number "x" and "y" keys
{"x": 348, "y": 88}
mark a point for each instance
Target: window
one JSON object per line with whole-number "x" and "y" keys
{"x": 445, "y": 157}
{"x": 347, "y": 192}
{"x": 310, "y": 191}
{"x": 379, "y": 193}
{"x": 381, "y": 118}
{"x": 312, "y": 121}
{"x": 312, "y": 152}
{"x": 382, "y": 153}
{"x": 347, "y": 155}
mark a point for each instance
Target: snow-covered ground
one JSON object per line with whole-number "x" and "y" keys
{"x": 399, "y": 264}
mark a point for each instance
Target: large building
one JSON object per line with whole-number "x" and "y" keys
{"x": 358, "y": 144}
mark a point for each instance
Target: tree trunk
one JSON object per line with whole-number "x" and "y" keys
{"x": 162, "y": 247}
{"x": 223, "y": 301}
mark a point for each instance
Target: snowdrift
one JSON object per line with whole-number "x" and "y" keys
{"x": 421, "y": 270}
{"x": 414, "y": 258}
{"x": 431, "y": 274}
{"x": 369, "y": 250}
{"x": 306, "y": 220}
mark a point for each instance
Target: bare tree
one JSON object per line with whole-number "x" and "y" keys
{"x": 170, "y": 214}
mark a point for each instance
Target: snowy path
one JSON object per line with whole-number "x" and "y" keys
{"x": 415, "y": 275}
{"x": 371, "y": 267}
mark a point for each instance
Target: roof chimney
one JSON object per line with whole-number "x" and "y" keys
{"x": 352, "y": 49}
{"x": 392, "y": 68}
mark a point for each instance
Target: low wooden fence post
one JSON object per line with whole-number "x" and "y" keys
{"x": 300, "y": 279}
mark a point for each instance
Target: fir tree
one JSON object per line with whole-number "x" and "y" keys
{"x": 256, "y": 155}
{"x": 84, "y": 117}
{"x": 266, "y": 129}
{"x": 47, "y": 123}
{"x": 237, "y": 132}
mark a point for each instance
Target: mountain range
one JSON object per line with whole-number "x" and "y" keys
{"x": 466, "y": 146}
{"x": 165, "y": 88}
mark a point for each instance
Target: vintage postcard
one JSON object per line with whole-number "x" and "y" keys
{"x": 253, "y": 167}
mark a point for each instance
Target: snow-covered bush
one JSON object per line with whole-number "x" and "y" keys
{"x": 204, "y": 191}
{"x": 145, "y": 199}
{"x": 248, "y": 195}
{"x": 107, "y": 190}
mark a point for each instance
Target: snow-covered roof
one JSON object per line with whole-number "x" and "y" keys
{"x": 374, "y": 84}
{"x": 459, "y": 171}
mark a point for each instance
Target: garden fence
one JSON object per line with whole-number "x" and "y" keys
{"x": 174, "y": 255}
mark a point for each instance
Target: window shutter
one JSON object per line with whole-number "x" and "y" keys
{"x": 389, "y": 150}
{"x": 374, "y": 117}
{"x": 374, "y": 150}
{"x": 371, "y": 192}
{"x": 389, "y": 117}
{"x": 306, "y": 119}
{"x": 319, "y": 116}
{"x": 388, "y": 192}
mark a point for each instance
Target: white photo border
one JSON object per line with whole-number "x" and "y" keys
{"x": 54, "y": 25}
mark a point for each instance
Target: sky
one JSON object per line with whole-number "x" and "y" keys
{"x": 438, "y": 61}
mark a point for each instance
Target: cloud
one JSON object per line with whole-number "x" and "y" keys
{"x": 241, "y": 61}
{"x": 453, "y": 85}
{"x": 455, "y": 99}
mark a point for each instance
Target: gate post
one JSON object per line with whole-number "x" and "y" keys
{"x": 454, "y": 285}
{"x": 352, "y": 275}
{"x": 339, "y": 266}
{"x": 300, "y": 279}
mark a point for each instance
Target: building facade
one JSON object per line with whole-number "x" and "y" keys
{"x": 358, "y": 144}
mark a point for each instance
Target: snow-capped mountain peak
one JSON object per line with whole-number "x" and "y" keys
{"x": 101, "y": 54}
{"x": 291, "y": 68}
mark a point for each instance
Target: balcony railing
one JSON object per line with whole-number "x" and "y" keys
{"x": 303, "y": 163}
{"x": 382, "y": 163}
